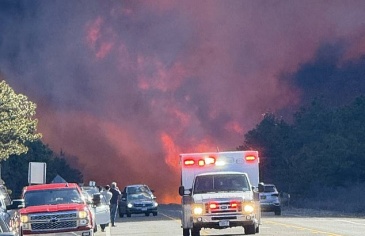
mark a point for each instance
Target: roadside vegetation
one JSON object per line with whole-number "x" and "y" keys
{"x": 20, "y": 144}
{"x": 318, "y": 158}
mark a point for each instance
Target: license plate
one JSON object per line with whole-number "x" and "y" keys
{"x": 224, "y": 223}
{"x": 144, "y": 209}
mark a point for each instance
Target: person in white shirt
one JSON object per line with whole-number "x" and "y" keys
{"x": 107, "y": 195}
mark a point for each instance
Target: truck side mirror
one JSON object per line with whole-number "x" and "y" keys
{"x": 181, "y": 190}
{"x": 16, "y": 204}
{"x": 261, "y": 187}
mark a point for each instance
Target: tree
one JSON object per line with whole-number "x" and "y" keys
{"x": 17, "y": 127}
{"x": 15, "y": 168}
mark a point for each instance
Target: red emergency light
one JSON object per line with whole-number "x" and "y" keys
{"x": 210, "y": 160}
{"x": 189, "y": 162}
{"x": 213, "y": 205}
{"x": 201, "y": 163}
{"x": 234, "y": 204}
{"x": 250, "y": 158}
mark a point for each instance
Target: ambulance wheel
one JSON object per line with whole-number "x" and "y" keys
{"x": 195, "y": 232}
{"x": 186, "y": 232}
{"x": 250, "y": 229}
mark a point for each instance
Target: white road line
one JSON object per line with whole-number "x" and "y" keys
{"x": 351, "y": 222}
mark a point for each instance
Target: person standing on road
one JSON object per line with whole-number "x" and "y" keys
{"x": 107, "y": 195}
{"x": 114, "y": 202}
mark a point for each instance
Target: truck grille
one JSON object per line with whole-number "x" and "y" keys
{"x": 54, "y": 221}
{"x": 51, "y": 226}
{"x": 223, "y": 207}
{"x": 142, "y": 204}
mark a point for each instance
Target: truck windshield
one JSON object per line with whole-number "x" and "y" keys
{"x": 219, "y": 183}
{"x": 52, "y": 196}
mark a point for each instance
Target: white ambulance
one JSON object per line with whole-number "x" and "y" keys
{"x": 217, "y": 190}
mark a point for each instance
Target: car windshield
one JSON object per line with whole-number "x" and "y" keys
{"x": 139, "y": 196}
{"x": 217, "y": 183}
{"x": 52, "y": 196}
{"x": 138, "y": 189}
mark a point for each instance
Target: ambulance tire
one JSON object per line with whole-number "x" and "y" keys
{"x": 250, "y": 229}
{"x": 186, "y": 232}
{"x": 195, "y": 232}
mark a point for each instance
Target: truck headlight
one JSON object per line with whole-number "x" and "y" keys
{"x": 248, "y": 209}
{"x": 197, "y": 209}
{"x": 24, "y": 219}
{"x": 83, "y": 214}
{"x": 155, "y": 204}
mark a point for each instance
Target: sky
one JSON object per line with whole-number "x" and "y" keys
{"x": 124, "y": 87}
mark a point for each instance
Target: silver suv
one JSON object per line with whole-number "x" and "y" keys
{"x": 269, "y": 199}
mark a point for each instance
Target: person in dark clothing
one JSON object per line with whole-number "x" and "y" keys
{"x": 114, "y": 202}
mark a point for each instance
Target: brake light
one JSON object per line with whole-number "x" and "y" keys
{"x": 189, "y": 162}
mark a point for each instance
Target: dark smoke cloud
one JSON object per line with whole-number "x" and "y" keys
{"x": 125, "y": 86}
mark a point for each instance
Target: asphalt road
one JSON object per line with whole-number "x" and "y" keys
{"x": 167, "y": 223}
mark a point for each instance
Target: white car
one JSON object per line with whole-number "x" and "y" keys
{"x": 101, "y": 211}
{"x": 270, "y": 200}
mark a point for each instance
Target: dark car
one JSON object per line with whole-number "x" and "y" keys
{"x": 269, "y": 199}
{"x": 137, "y": 188}
{"x": 137, "y": 203}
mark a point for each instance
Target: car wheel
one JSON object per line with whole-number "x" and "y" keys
{"x": 250, "y": 229}
{"x": 278, "y": 212}
{"x": 154, "y": 213}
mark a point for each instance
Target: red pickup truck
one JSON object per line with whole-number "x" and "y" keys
{"x": 55, "y": 209}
